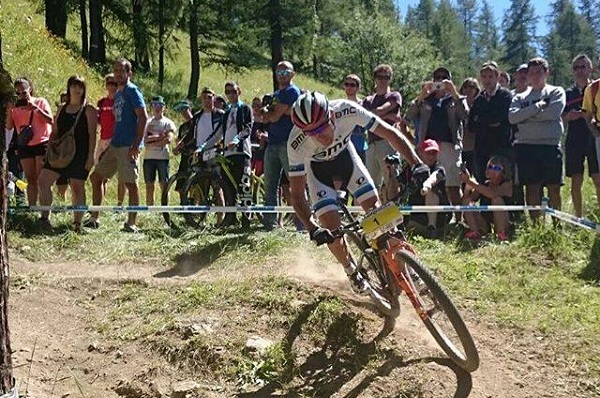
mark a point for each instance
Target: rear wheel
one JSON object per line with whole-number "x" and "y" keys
{"x": 368, "y": 262}
{"x": 203, "y": 190}
{"x": 438, "y": 313}
{"x": 258, "y": 194}
{"x": 172, "y": 196}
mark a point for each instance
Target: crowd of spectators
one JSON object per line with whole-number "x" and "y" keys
{"x": 482, "y": 141}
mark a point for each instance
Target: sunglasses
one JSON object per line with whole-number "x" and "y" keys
{"x": 317, "y": 130}
{"x": 495, "y": 167}
{"x": 440, "y": 77}
{"x": 227, "y": 92}
{"x": 350, "y": 84}
{"x": 283, "y": 72}
{"x": 111, "y": 83}
{"x": 383, "y": 77}
{"x": 20, "y": 93}
{"x": 580, "y": 67}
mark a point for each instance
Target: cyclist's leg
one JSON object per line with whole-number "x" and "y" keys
{"x": 360, "y": 183}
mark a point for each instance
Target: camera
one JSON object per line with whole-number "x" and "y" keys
{"x": 21, "y": 102}
{"x": 438, "y": 86}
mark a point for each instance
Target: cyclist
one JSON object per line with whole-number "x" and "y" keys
{"x": 321, "y": 154}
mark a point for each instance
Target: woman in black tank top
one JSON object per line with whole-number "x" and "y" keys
{"x": 85, "y": 141}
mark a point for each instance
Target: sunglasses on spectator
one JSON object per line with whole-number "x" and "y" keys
{"x": 495, "y": 167}
{"x": 350, "y": 84}
{"x": 383, "y": 77}
{"x": 227, "y": 92}
{"x": 580, "y": 67}
{"x": 317, "y": 130}
{"x": 111, "y": 83}
{"x": 283, "y": 72}
{"x": 440, "y": 77}
{"x": 20, "y": 93}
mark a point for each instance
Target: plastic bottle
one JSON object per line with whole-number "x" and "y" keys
{"x": 22, "y": 185}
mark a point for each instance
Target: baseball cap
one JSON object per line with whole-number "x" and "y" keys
{"x": 182, "y": 105}
{"x": 521, "y": 67}
{"x": 429, "y": 146}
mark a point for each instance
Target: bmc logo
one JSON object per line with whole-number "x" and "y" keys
{"x": 345, "y": 112}
{"x": 332, "y": 150}
{"x": 296, "y": 143}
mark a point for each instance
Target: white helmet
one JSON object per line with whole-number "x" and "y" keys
{"x": 309, "y": 109}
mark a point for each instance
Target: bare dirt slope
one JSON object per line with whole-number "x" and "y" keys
{"x": 58, "y": 354}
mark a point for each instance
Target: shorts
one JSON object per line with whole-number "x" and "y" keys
{"x": 30, "y": 152}
{"x": 450, "y": 159}
{"x": 116, "y": 160}
{"x": 539, "y": 164}
{"x": 346, "y": 168}
{"x": 152, "y": 167}
{"x": 101, "y": 147}
{"x": 576, "y": 152}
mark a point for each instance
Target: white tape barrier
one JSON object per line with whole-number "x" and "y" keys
{"x": 582, "y": 222}
{"x": 257, "y": 209}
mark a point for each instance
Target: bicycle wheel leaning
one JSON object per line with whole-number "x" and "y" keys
{"x": 438, "y": 312}
{"x": 368, "y": 263}
{"x": 171, "y": 195}
{"x": 203, "y": 190}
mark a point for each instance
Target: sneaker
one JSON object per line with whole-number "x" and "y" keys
{"x": 358, "y": 283}
{"x": 431, "y": 232}
{"x": 44, "y": 224}
{"x": 92, "y": 223}
{"x": 502, "y": 236}
{"x": 133, "y": 229}
{"x": 474, "y": 236}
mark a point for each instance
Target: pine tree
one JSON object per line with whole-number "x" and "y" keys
{"x": 590, "y": 10}
{"x": 448, "y": 35}
{"x": 420, "y": 18}
{"x": 518, "y": 27}
{"x": 486, "y": 42}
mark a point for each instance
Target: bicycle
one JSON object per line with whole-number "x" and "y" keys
{"x": 391, "y": 266}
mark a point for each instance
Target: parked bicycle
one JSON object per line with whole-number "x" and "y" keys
{"x": 392, "y": 266}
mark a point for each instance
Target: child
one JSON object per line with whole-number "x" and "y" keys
{"x": 158, "y": 135}
{"x": 496, "y": 190}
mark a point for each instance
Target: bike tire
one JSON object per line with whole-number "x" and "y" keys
{"x": 202, "y": 190}
{"x": 431, "y": 300}
{"x": 258, "y": 194}
{"x": 384, "y": 296}
{"x": 167, "y": 197}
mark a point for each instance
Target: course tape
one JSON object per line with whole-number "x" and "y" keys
{"x": 582, "y": 222}
{"x": 255, "y": 209}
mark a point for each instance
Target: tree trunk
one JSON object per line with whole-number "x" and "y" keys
{"x": 276, "y": 38}
{"x": 85, "y": 53}
{"x": 161, "y": 43}
{"x": 56, "y": 17}
{"x": 6, "y": 376}
{"x": 194, "y": 51}
{"x": 140, "y": 37}
{"x": 97, "y": 46}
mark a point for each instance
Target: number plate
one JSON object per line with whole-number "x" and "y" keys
{"x": 209, "y": 154}
{"x": 381, "y": 220}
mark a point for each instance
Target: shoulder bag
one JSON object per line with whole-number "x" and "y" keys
{"x": 61, "y": 150}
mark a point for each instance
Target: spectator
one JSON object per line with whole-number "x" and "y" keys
{"x": 441, "y": 112}
{"x": 521, "y": 82}
{"x": 432, "y": 193}
{"x": 580, "y": 142}
{"x": 504, "y": 79}
{"x": 158, "y": 136}
{"x": 31, "y": 142}
{"x": 122, "y": 155}
{"x": 386, "y": 104}
{"x": 278, "y": 115}
{"x": 537, "y": 114}
{"x": 221, "y": 103}
{"x": 351, "y": 87}
{"x": 591, "y": 109}
{"x": 62, "y": 184}
{"x": 75, "y": 113}
{"x": 259, "y": 129}
{"x": 185, "y": 132}
{"x": 496, "y": 191}
{"x": 106, "y": 119}
{"x": 470, "y": 90}
{"x": 237, "y": 128}
{"x": 488, "y": 119}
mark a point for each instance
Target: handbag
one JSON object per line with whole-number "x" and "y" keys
{"x": 25, "y": 133}
{"x": 61, "y": 150}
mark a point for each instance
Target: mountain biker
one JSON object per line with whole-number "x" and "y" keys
{"x": 321, "y": 155}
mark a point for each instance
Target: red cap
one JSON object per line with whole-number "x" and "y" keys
{"x": 429, "y": 146}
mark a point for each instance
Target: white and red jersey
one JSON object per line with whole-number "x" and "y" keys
{"x": 347, "y": 115}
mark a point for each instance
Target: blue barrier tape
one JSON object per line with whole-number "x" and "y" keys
{"x": 582, "y": 222}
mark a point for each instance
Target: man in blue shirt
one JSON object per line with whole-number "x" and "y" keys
{"x": 278, "y": 116}
{"x": 122, "y": 156}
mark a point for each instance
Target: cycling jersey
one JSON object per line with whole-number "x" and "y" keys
{"x": 302, "y": 149}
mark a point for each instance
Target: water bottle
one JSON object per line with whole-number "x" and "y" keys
{"x": 22, "y": 185}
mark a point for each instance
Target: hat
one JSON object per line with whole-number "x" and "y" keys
{"x": 521, "y": 67}
{"x": 182, "y": 105}
{"x": 442, "y": 69}
{"x": 429, "y": 146}
{"x": 207, "y": 90}
{"x": 158, "y": 99}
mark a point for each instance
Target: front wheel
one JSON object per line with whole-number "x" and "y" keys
{"x": 368, "y": 263}
{"x": 204, "y": 190}
{"x": 438, "y": 312}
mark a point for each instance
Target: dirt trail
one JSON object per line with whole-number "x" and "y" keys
{"x": 49, "y": 324}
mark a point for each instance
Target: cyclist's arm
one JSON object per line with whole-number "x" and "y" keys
{"x": 398, "y": 142}
{"x": 299, "y": 201}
